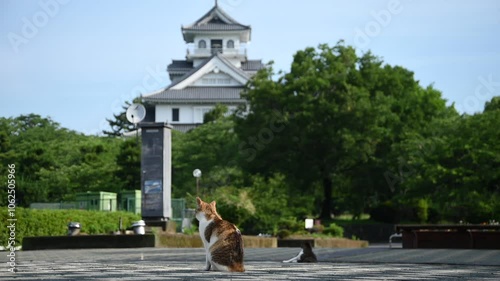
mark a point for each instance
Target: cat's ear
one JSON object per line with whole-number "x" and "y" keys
{"x": 212, "y": 204}
{"x": 198, "y": 201}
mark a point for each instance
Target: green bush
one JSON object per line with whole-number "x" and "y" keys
{"x": 55, "y": 222}
{"x": 334, "y": 230}
{"x": 318, "y": 228}
{"x": 422, "y": 210}
{"x": 283, "y": 233}
{"x": 291, "y": 223}
{"x": 270, "y": 199}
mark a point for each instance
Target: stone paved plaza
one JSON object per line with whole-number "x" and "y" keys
{"x": 373, "y": 263}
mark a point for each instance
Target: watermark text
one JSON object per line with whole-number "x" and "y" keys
{"x": 32, "y": 25}
{"x": 11, "y": 221}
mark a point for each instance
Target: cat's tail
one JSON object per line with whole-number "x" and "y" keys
{"x": 238, "y": 266}
{"x": 239, "y": 243}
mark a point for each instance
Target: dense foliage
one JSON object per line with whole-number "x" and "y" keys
{"x": 55, "y": 222}
{"x": 339, "y": 133}
{"x": 53, "y": 163}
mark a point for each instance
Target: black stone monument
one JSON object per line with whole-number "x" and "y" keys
{"x": 156, "y": 176}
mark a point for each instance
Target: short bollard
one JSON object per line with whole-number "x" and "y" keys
{"x": 138, "y": 227}
{"x": 73, "y": 228}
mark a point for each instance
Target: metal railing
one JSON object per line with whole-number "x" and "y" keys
{"x": 205, "y": 52}
{"x": 111, "y": 205}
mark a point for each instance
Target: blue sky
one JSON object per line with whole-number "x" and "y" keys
{"x": 78, "y": 61}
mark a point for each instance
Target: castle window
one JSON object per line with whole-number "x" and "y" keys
{"x": 175, "y": 114}
{"x": 202, "y": 44}
{"x": 230, "y": 44}
{"x": 216, "y": 46}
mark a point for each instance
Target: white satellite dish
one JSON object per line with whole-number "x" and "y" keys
{"x": 136, "y": 113}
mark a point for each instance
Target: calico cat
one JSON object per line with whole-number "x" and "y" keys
{"x": 222, "y": 239}
{"x": 305, "y": 255}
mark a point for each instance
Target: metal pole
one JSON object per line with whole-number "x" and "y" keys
{"x": 198, "y": 186}
{"x": 136, "y": 134}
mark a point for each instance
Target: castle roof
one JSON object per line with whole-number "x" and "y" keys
{"x": 216, "y": 20}
{"x": 197, "y": 95}
{"x": 237, "y": 71}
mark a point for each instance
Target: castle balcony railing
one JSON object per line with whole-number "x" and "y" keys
{"x": 195, "y": 52}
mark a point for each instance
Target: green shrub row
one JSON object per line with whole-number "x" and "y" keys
{"x": 55, "y": 222}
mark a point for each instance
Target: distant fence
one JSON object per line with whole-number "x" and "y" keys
{"x": 111, "y": 205}
{"x": 178, "y": 207}
{"x": 372, "y": 232}
{"x": 54, "y": 206}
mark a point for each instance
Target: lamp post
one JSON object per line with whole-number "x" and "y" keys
{"x": 197, "y": 175}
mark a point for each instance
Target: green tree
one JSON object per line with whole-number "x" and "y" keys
{"x": 415, "y": 112}
{"x": 119, "y": 123}
{"x": 493, "y": 104}
{"x": 33, "y": 144}
{"x": 464, "y": 174}
{"x": 128, "y": 162}
{"x": 212, "y": 148}
{"x": 218, "y": 112}
{"x": 53, "y": 163}
{"x": 314, "y": 122}
{"x": 453, "y": 165}
{"x": 270, "y": 198}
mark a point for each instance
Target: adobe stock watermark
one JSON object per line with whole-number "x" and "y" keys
{"x": 486, "y": 89}
{"x": 380, "y": 20}
{"x": 31, "y": 26}
{"x": 11, "y": 221}
{"x": 155, "y": 79}
{"x": 248, "y": 149}
{"x": 229, "y": 5}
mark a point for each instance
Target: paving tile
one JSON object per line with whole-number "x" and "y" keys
{"x": 261, "y": 264}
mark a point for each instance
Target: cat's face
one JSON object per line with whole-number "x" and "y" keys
{"x": 205, "y": 210}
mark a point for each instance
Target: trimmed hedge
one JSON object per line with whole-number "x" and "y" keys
{"x": 334, "y": 230}
{"x": 32, "y": 222}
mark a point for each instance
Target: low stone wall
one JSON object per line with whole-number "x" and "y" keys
{"x": 259, "y": 242}
{"x": 176, "y": 240}
{"x": 194, "y": 241}
{"x": 339, "y": 243}
{"x": 295, "y": 243}
{"x": 88, "y": 242}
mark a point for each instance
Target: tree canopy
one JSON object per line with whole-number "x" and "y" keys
{"x": 340, "y": 132}
{"x": 53, "y": 163}
{"x": 334, "y": 115}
